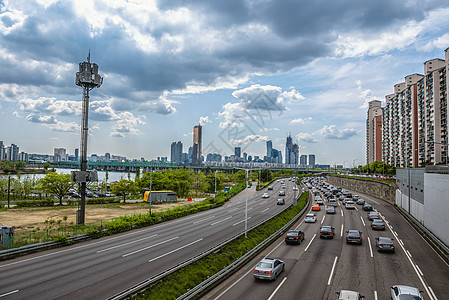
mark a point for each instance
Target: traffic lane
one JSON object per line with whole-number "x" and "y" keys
{"x": 424, "y": 257}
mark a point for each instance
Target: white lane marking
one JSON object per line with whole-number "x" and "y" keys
{"x": 408, "y": 252}
{"x": 310, "y": 242}
{"x": 375, "y": 295}
{"x": 121, "y": 245}
{"x": 160, "y": 256}
{"x": 279, "y": 286}
{"x": 332, "y": 271}
{"x": 249, "y": 208}
{"x": 395, "y": 233}
{"x": 363, "y": 222}
{"x": 370, "y": 248}
{"x": 356, "y": 208}
{"x": 9, "y": 293}
{"x": 411, "y": 262}
{"x": 400, "y": 241}
{"x": 231, "y": 210}
{"x": 419, "y": 270}
{"x": 341, "y": 232}
{"x": 433, "y": 294}
{"x": 220, "y": 221}
{"x": 374, "y": 201}
{"x": 202, "y": 220}
{"x": 323, "y": 219}
{"x": 265, "y": 209}
{"x": 341, "y": 210}
{"x": 157, "y": 244}
{"x": 240, "y": 221}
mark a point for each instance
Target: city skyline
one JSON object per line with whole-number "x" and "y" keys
{"x": 265, "y": 71}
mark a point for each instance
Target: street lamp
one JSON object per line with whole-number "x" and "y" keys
{"x": 246, "y": 202}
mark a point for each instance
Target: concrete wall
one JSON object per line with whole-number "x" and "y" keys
{"x": 374, "y": 188}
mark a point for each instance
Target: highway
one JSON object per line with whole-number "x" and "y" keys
{"x": 318, "y": 268}
{"x": 100, "y": 268}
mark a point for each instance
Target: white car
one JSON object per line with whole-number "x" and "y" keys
{"x": 295, "y": 188}
{"x": 265, "y": 195}
{"x": 349, "y": 204}
{"x": 349, "y": 295}
{"x": 310, "y": 218}
{"x": 405, "y": 292}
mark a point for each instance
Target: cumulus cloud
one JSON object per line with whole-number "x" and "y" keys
{"x": 41, "y": 119}
{"x": 204, "y": 120}
{"x": 331, "y": 132}
{"x": 306, "y": 137}
{"x": 300, "y": 120}
{"x": 64, "y": 127}
{"x": 249, "y": 139}
{"x": 126, "y": 125}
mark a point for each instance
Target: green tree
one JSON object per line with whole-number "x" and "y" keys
{"x": 56, "y": 184}
{"x": 124, "y": 187}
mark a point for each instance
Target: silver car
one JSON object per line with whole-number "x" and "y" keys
{"x": 399, "y": 292}
{"x": 269, "y": 269}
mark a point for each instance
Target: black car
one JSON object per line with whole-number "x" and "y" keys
{"x": 385, "y": 244}
{"x": 354, "y": 236}
{"x": 378, "y": 224}
{"x": 294, "y": 237}
{"x": 327, "y": 232}
{"x": 367, "y": 207}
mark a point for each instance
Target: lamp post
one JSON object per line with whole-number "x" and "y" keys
{"x": 215, "y": 183}
{"x": 246, "y": 202}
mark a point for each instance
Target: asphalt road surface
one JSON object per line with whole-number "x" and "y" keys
{"x": 101, "y": 268}
{"x": 318, "y": 268}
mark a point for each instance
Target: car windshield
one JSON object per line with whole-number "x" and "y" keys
{"x": 292, "y": 232}
{"x": 378, "y": 221}
{"x": 385, "y": 240}
{"x": 309, "y": 216}
{"x": 409, "y": 297}
{"x": 264, "y": 265}
{"x": 326, "y": 229}
{"x": 353, "y": 233}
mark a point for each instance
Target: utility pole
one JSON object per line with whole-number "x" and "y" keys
{"x": 151, "y": 182}
{"x": 87, "y": 78}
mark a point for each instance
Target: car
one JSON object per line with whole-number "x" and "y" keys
{"x": 349, "y": 204}
{"x": 378, "y": 224}
{"x": 332, "y": 202}
{"x": 268, "y": 269}
{"x": 265, "y": 195}
{"x": 280, "y": 201}
{"x": 316, "y": 207}
{"x": 353, "y": 236}
{"x": 327, "y": 232}
{"x": 399, "y": 292}
{"x": 385, "y": 244}
{"x": 284, "y": 187}
{"x": 330, "y": 209}
{"x": 270, "y": 187}
{"x": 367, "y": 207}
{"x": 356, "y": 197}
{"x": 341, "y": 198}
{"x": 349, "y": 295}
{"x": 310, "y": 218}
{"x": 281, "y": 193}
{"x": 295, "y": 188}
{"x": 294, "y": 237}
{"x": 373, "y": 215}
{"x": 360, "y": 201}
{"x": 319, "y": 201}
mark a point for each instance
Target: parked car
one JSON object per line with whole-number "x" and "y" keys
{"x": 349, "y": 295}
{"x": 316, "y": 207}
{"x": 367, "y": 207}
{"x": 399, "y": 292}
{"x": 265, "y": 195}
{"x": 373, "y": 215}
{"x": 385, "y": 244}
{"x": 354, "y": 236}
{"x": 330, "y": 209}
{"x": 310, "y": 218}
{"x": 280, "y": 201}
{"x": 268, "y": 269}
{"x": 378, "y": 224}
{"x": 294, "y": 237}
{"x": 349, "y": 204}
{"x": 360, "y": 201}
{"x": 327, "y": 232}
{"x": 281, "y": 193}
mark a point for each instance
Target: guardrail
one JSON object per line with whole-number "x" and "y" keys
{"x": 148, "y": 282}
{"x": 433, "y": 237}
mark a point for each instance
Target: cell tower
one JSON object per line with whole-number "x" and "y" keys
{"x": 88, "y": 78}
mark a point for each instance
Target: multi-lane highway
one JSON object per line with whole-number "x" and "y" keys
{"x": 318, "y": 268}
{"x": 101, "y": 268}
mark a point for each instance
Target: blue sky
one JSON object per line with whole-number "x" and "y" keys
{"x": 249, "y": 71}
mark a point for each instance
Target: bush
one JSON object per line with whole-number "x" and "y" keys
{"x": 37, "y": 203}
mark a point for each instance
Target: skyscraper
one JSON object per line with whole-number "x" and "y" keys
{"x": 291, "y": 152}
{"x": 77, "y": 157}
{"x": 12, "y": 152}
{"x": 237, "y": 152}
{"x": 303, "y": 160}
{"x": 176, "y": 152}
{"x": 197, "y": 145}
{"x": 374, "y": 132}
{"x": 312, "y": 160}
{"x": 2, "y": 151}
{"x": 269, "y": 148}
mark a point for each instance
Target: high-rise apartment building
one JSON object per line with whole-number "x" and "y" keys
{"x": 374, "y": 132}
{"x": 312, "y": 160}
{"x": 197, "y": 144}
{"x": 176, "y": 152}
{"x": 2, "y": 151}
{"x": 60, "y": 154}
{"x": 303, "y": 160}
{"x": 414, "y": 122}
{"x": 12, "y": 152}
{"x": 237, "y": 152}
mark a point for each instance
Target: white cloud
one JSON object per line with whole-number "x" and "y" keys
{"x": 306, "y": 137}
{"x": 204, "y": 120}
{"x": 41, "y": 119}
{"x": 126, "y": 125}
{"x": 249, "y": 139}
{"x": 331, "y": 132}
{"x": 64, "y": 127}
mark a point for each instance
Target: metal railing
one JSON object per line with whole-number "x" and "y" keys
{"x": 150, "y": 281}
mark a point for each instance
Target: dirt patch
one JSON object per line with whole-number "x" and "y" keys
{"x": 29, "y": 218}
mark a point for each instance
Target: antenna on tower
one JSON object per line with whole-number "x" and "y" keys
{"x": 88, "y": 58}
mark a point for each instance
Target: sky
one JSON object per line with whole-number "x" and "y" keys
{"x": 247, "y": 71}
